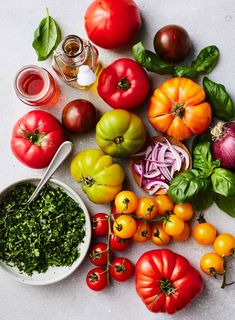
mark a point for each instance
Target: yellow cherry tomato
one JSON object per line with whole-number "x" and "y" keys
{"x": 164, "y": 203}
{"x": 211, "y": 263}
{"x": 173, "y": 225}
{"x": 224, "y": 244}
{"x": 143, "y": 232}
{"x": 126, "y": 202}
{"x": 204, "y": 233}
{"x": 125, "y": 226}
{"x": 146, "y": 208}
{"x": 183, "y": 236}
{"x": 159, "y": 235}
{"x": 183, "y": 211}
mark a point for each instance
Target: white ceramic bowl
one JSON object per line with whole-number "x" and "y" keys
{"x": 53, "y": 274}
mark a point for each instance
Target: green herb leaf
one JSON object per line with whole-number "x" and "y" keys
{"x": 223, "y": 182}
{"x": 187, "y": 185}
{"x": 226, "y": 204}
{"x": 150, "y": 61}
{"x": 202, "y": 158}
{"x": 203, "y": 200}
{"x": 203, "y": 64}
{"x": 46, "y": 37}
{"x": 219, "y": 99}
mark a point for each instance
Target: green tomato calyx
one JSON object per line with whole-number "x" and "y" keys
{"x": 118, "y": 140}
{"x": 88, "y": 181}
{"x": 178, "y": 110}
{"x": 123, "y": 84}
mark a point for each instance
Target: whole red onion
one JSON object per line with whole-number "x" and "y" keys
{"x": 223, "y": 146}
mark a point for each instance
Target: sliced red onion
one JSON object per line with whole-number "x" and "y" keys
{"x": 184, "y": 155}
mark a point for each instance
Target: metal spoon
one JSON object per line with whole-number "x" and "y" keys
{"x": 61, "y": 154}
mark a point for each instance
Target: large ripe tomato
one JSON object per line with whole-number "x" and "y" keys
{"x": 101, "y": 178}
{"x": 177, "y": 108}
{"x": 100, "y": 224}
{"x": 121, "y": 269}
{"x": 165, "y": 281}
{"x": 120, "y": 133}
{"x": 124, "y": 84}
{"x": 111, "y": 24}
{"x": 97, "y": 279}
{"x": 36, "y": 137}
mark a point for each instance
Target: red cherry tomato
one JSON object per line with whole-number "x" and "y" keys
{"x": 98, "y": 254}
{"x": 121, "y": 269}
{"x": 97, "y": 279}
{"x": 112, "y": 23}
{"x": 100, "y": 225}
{"x": 117, "y": 243}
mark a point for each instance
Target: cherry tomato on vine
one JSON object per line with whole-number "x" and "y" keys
{"x": 121, "y": 269}
{"x": 100, "y": 225}
{"x": 184, "y": 235}
{"x": 124, "y": 226}
{"x": 97, "y": 279}
{"x": 159, "y": 235}
{"x": 126, "y": 202}
{"x": 143, "y": 232}
{"x": 183, "y": 211}
{"x": 99, "y": 255}
{"x": 146, "y": 208}
{"x": 224, "y": 244}
{"x": 211, "y": 263}
{"x": 204, "y": 233}
{"x": 164, "y": 203}
{"x": 117, "y": 243}
{"x": 173, "y": 225}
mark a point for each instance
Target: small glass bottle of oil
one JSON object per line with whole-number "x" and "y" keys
{"x": 76, "y": 62}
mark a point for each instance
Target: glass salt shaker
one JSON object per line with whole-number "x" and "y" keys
{"x": 76, "y": 62}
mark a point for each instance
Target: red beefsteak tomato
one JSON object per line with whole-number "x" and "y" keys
{"x": 112, "y": 24}
{"x": 36, "y": 137}
{"x": 124, "y": 84}
{"x": 166, "y": 281}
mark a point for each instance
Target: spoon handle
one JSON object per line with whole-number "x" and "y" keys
{"x": 61, "y": 154}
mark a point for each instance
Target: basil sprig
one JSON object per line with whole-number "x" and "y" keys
{"x": 46, "y": 37}
{"x": 220, "y": 100}
{"x": 205, "y": 183}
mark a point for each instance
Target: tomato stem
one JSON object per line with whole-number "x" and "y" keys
{"x": 178, "y": 110}
{"x": 34, "y": 137}
{"x": 225, "y": 269}
{"x": 123, "y": 84}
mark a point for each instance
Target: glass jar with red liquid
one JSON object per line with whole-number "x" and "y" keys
{"x": 35, "y": 86}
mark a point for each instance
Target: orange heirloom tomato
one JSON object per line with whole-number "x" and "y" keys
{"x": 183, "y": 236}
{"x": 177, "y": 107}
{"x": 212, "y": 263}
{"x": 224, "y": 244}
{"x": 184, "y": 211}
{"x": 124, "y": 226}
{"x": 173, "y": 225}
{"x": 159, "y": 235}
{"x": 126, "y": 202}
{"x": 204, "y": 233}
{"x": 143, "y": 232}
{"x": 146, "y": 208}
{"x": 164, "y": 203}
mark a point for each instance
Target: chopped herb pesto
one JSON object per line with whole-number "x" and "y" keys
{"x": 45, "y": 233}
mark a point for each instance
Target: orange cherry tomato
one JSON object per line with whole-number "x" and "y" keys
{"x": 184, "y": 211}
{"x": 146, "y": 208}
{"x": 177, "y": 107}
{"x": 183, "y": 236}
{"x": 125, "y": 226}
{"x": 143, "y": 232}
{"x": 211, "y": 263}
{"x": 164, "y": 203}
{"x": 173, "y": 225}
{"x": 159, "y": 235}
{"x": 126, "y": 202}
{"x": 204, "y": 233}
{"x": 224, "y": 244}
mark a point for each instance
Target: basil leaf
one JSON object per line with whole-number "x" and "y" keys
{"x": 203, "y": 200}
{"x": 219, "y": 99}
{"x": 46, "y": 37}
{"x": 226, "y": 204}
{"x": 202, "y": 158}
{"x": 150, "y": 61}
{"x": 203, "y": 64}
{"x": 188, "y": 185}
{"x": 223, "y": 182}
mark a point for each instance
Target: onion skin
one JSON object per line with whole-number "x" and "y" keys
{"x": 223, "y": 146}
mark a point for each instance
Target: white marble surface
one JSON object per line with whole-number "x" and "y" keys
{"x": 208, "y": 22}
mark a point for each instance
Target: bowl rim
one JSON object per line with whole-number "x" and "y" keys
{"x": 87, "y": 238}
